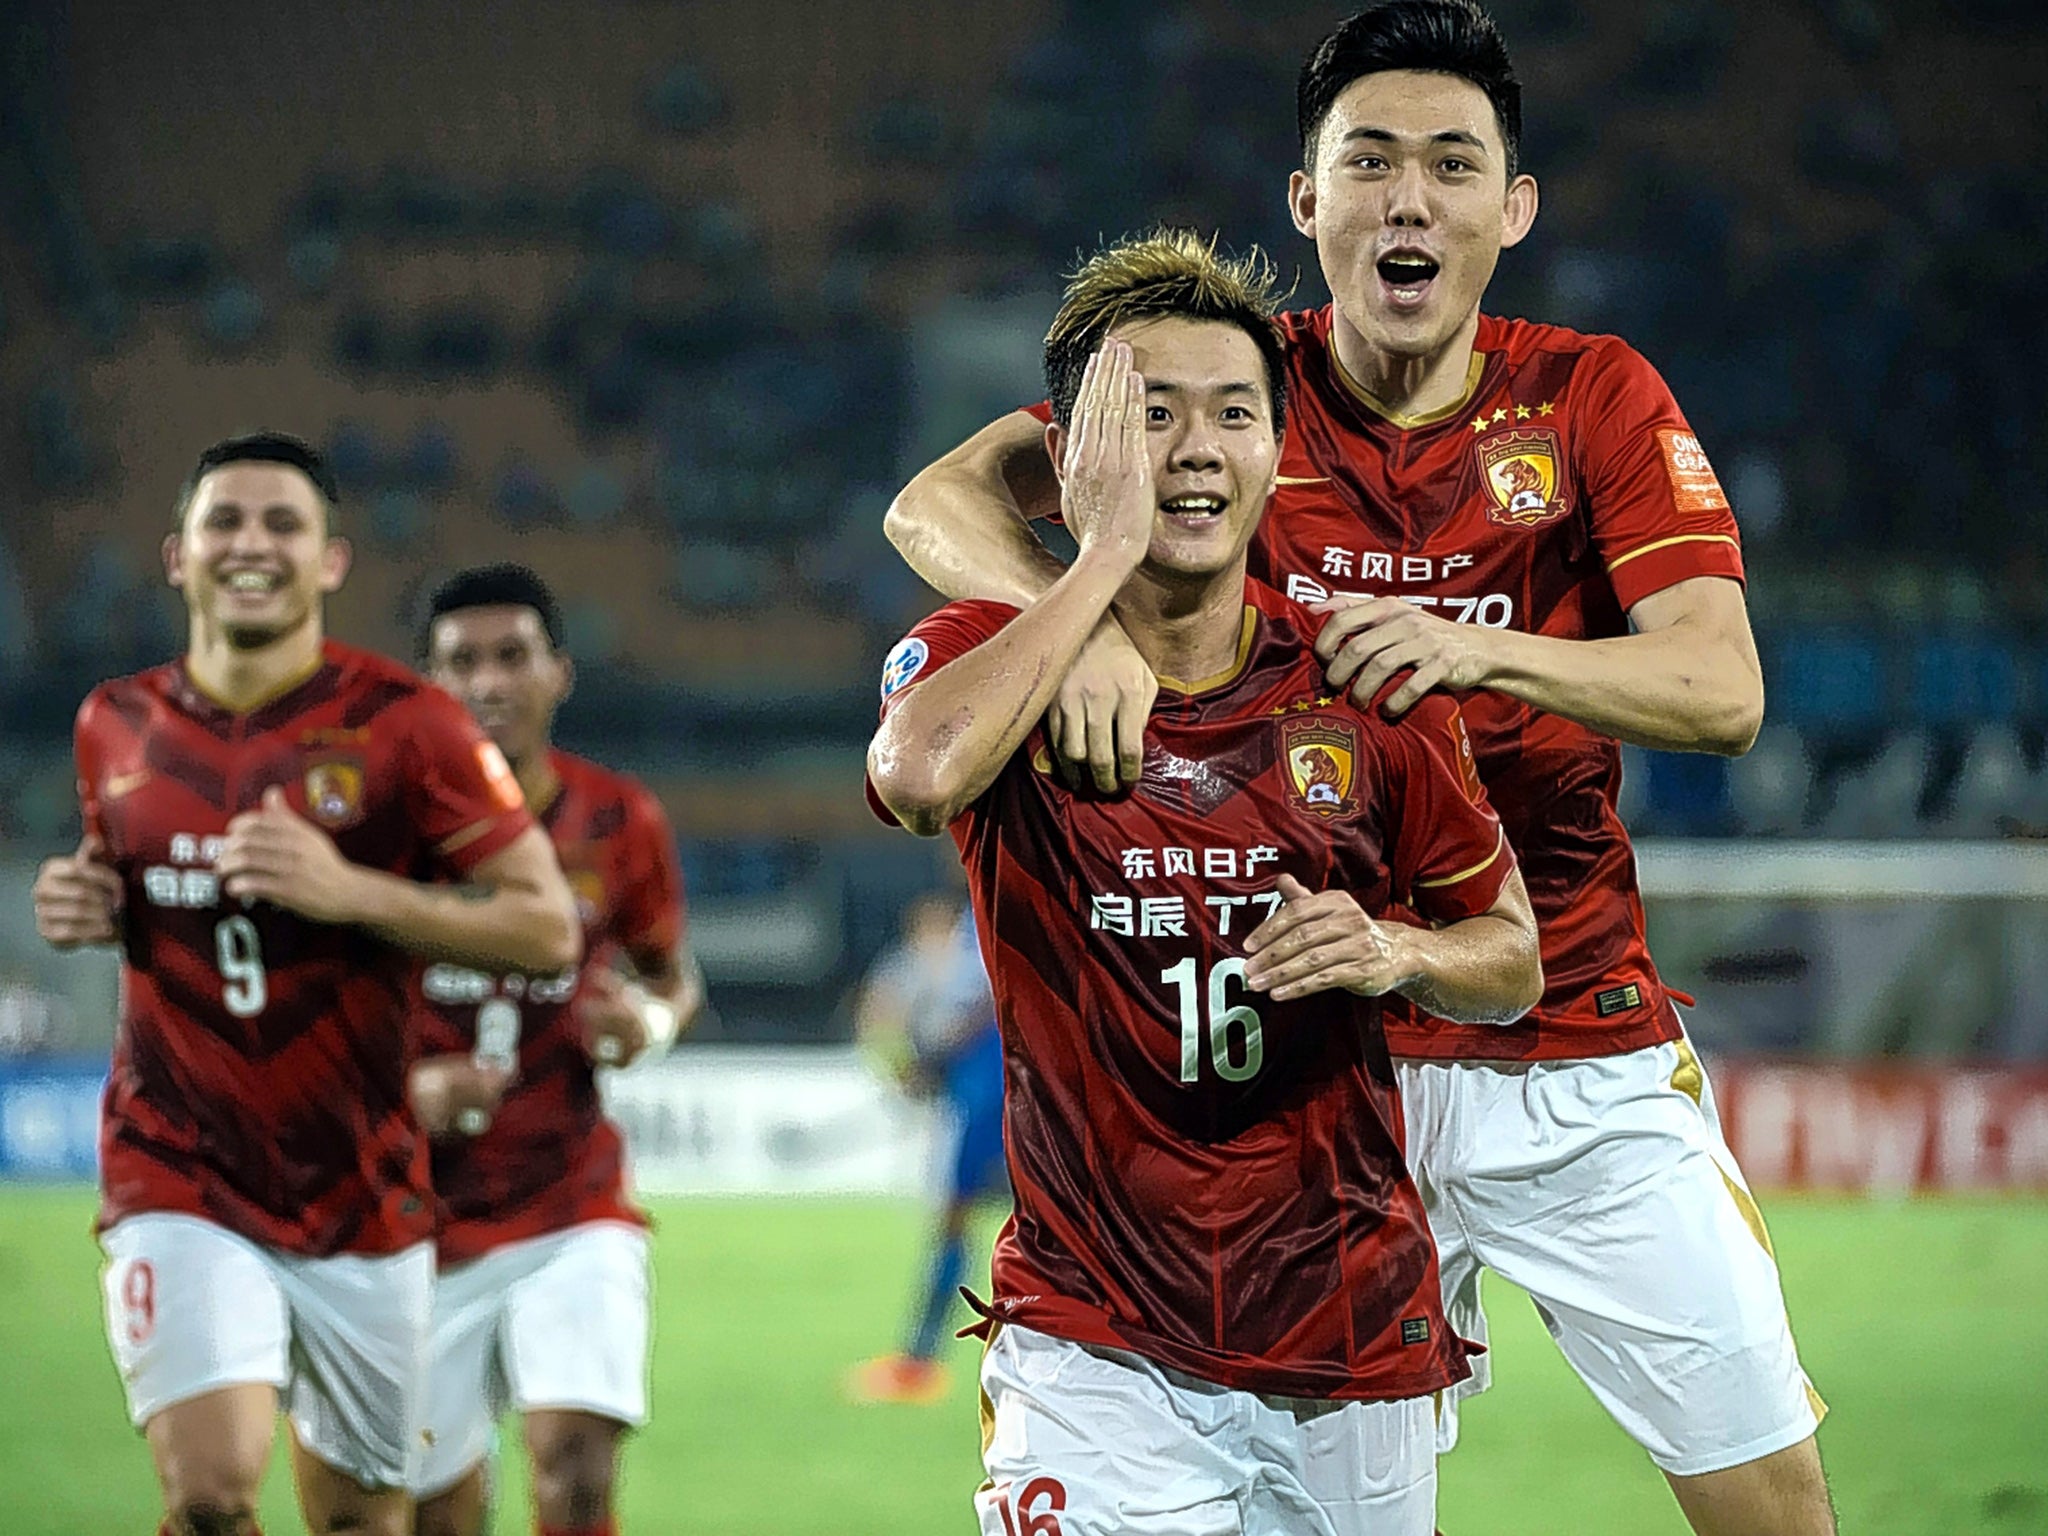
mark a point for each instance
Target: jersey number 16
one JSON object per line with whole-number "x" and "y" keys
{"x": 1232, "y": 1067}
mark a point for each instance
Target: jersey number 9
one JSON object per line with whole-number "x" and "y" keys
{"x": 245, "y": 988}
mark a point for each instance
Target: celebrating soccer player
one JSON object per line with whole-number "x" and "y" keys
{"x": 543, "y": 1299}
{"x": 1216, "y": 1305}
{"x": 1519, "y": 511}
{"x": 256, "y": 815}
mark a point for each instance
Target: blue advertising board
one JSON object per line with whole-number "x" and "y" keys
{"x": 50, "y": 1117}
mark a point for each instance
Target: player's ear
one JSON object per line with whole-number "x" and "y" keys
{"x": 565, "y": 676}
{"x": 1056, "y": 449}
{"x": 1520, "y": 211}
{"x": 1301, "y": 202}
{"x": 174, "y": 559}
{"x": 336, "y": 556}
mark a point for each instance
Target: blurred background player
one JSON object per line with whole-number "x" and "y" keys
{"x": 542, "y": 1303}
{"x": 1559, "y": 546}
{"x": 1216, "y": 1306}
{"x": 253, "y": 815}
{"x": 926, "y": 1014}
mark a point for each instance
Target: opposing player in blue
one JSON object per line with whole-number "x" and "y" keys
{"x": 926, "y": 1009}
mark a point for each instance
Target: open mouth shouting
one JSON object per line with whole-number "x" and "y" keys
{"x": 1406, "y": 276}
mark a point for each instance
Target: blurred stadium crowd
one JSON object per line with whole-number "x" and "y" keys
{"x": 670, "y": 318}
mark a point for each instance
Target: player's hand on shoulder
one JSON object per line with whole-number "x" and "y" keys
{"x": 274, "y": 854}
{"x": 456, "y": 1094}
{"x": 1365, "y": 642}
{"x": 1097, "y": 721}
{"x": 614, "y": 1026}
{"x": 77, "y": 896}
{"x": 1320, "y": 940}
{"x": 1106, "y": 490}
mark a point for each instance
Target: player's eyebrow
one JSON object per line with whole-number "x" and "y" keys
{"x": 1441, "y": 136}
{"x": 1234, "y": 387}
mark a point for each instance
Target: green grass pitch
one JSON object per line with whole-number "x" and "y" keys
{"x": 1925, "y": 1324}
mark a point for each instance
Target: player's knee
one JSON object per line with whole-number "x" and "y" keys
{"x": 211, "y": 1495}
{"x": 440, "y": 1516}
{"x": 572, "y": 1470}
{"x": 204, "y": 1516}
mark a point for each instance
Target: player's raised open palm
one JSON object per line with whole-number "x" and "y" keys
{"x": 1106, "y": 490}
{"x": 1323, "y": 939}
{"x": 76, "y": 897}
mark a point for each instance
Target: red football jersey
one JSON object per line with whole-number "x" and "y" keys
{"x": 1203, "y": 1175}
{"x": 1564, "y": 489}
{"x": 550, "y": 1158}
{"x": 258, "y": 1077}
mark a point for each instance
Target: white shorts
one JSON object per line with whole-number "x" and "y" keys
{"x": 556, "y": 1321}
{"x": 192, "y": 1307}
{"x": 1119, "y": 1446}
{"x": 1603, "y": 1188}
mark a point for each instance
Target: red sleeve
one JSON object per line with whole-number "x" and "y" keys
{"x": 650, "y": 916}
{"x": 942, "y": 637}
{"x": 1659, "y": 514}
{"x": 85, "y": 756}
{"x": 458, "y": 786}
{"x": 1449, "y": 857}
{"x": 1042, "y": 410}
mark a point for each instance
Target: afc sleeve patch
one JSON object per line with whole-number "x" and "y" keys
{"x": 1694, "y": 486}
{"x": 903, "y": 665}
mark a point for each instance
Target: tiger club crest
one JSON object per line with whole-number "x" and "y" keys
{"x": 334, "y": 791}
{"x": 1321, "y": 758}
{"x": 1520, "y": 468}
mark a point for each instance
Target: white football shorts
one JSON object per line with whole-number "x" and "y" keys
{"x": 1602, "y": 1186}
{"x": 556, "y": 1321}
{"x": 1098, "y": 1442}
{"x": 192, "y": 1307}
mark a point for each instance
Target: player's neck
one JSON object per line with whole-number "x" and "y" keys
{"x": 241, "y": 679}
{"x": 1406, "y": 388}
{"x": 1188, "y": 629}
{"x": 538, "y": 781}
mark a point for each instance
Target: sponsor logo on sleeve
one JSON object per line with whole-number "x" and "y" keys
{"x": 903, "y": 665}
{"x": 1520, "y": 470}
{"x": 1694, "y": 486}
{"x": 1321, "y": 759}
{"x": 498, "y": 775}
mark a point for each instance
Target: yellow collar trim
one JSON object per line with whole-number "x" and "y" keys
{"x": 1244, "y": 654}
{"x": 1379, "y": 407}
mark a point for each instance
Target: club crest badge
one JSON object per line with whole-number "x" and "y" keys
{"x": 1520, "y": 468}
{"x": 587, "y": 886}
{"x": 1321, "y": 759}
{"x": 334, "y": 791}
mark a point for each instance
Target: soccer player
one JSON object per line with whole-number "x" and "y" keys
{"x": 1538, "y": 528}
{"x": 925, "y": 1008}
{"x": 542, "y": 1303}
{"x": 256, "y": 817}
{"x": 1216, "y": 1306}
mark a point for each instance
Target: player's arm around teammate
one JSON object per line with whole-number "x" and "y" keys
{"x": 944, "y": 744}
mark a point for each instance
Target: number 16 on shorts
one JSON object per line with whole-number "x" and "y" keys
{"x": 1031, "y": 1508}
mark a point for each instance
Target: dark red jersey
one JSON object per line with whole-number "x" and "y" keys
{"x": 258, "y": 1077}
{"x": 550, "y": 1158}
{"x": 1203, "y": 1175}
{"x": 1564, "y": 489}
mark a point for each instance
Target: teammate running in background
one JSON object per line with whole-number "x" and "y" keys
{"x": 1217, "y": 1298}
{"x": 1537, "y": 524}
{"x": 925, "y": 1010}
{"x": 255, "y": 814}
{"x": 542, "y": 1303}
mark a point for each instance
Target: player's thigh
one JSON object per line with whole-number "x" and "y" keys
{"x": 360, "y": 1330}
{"x": 1345, "y": 1469}
{"x": 577, "y": 1326}
{"x": 1099, "y": 1443}
{"x": 465, "y": 1389}
{"x": 200, "y": 1333}
{"x": 1648, "y": 1260}
{"x": 336, "y": 1501}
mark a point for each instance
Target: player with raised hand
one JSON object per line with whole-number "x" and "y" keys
{"x": 543, "y": 1299}
{"x": 1522, "y": 514}
{"x": 257, "y": 817}
{"x": 1215, "y": 1305}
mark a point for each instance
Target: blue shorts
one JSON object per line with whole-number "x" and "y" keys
{"x": 974, "y": 1092}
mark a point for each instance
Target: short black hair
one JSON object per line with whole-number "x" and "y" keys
{"x": 495, "y": 586}
{"x": 1445, "y": 37}
{"x": 262, "y": 448}
{"x": 1170, "y": 271}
